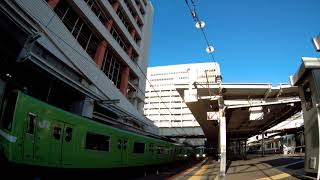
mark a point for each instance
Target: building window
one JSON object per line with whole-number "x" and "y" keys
{"x": 112, "y": 68}
{"x": 134, "y": 13}
{"x": 80, "y": 30}
{"x": 128, "y": 25}
{"x": 138, "y": 147}
{"x": 141, "y": 7}
{"x": 97, "y": 10}
{"x": 97, "y": 142}
{"x": 114, "y": 31}
{"x": 145, "y": 2}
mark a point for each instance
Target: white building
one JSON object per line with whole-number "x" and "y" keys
{"x": 163, "y": 104}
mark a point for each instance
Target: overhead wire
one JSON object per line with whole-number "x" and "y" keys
{"x": 196, "y": 19}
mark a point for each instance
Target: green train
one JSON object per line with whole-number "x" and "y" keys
{"x": 38, "y": 134}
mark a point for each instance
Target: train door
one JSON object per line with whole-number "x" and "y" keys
{"x": 68, "y": 145}
{"x": 123, "y": 144}
{"x": 29, "y": 137}
{"x": 55, "y": 143}
{"x": 61, "y": 150}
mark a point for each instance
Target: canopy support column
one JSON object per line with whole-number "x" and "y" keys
{"x": 222, "y": 141}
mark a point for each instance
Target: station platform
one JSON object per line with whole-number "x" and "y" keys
{"x": 256, "y": 167}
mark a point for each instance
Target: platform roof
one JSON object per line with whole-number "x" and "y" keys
{"x": 278, "y": 104}
{"x": 307, "y": 64}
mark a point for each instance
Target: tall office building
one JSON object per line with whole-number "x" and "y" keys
{"x": 165, "y": 107}
{"x": 88, "y": 57}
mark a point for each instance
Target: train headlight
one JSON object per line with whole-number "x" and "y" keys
{"x": 198, "y": 155}
{"x": 203, "y": 155}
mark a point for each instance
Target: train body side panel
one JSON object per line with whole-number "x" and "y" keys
{"x": 50, "y": 137}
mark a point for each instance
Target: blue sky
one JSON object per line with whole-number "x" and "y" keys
{"x": 255, "y": 40}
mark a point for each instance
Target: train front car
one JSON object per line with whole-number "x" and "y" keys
{"x": 200, "y": 152}
{"x": 9, "y": 119}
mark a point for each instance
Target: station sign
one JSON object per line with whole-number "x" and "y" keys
{"x": 212, "y": 116}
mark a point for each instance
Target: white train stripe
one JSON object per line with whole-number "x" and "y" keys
{"x": 7, "y": 136}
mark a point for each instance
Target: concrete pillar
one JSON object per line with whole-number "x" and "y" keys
{"x": 222, "y": 138}
{"x": 133, "y": 33}
{"x": 116, "y": 6}
{"x": 245, "y": 149}
{"x": 136, "y": 18}
{"x": 109, "y": 25}
{"x": 262, "y": 145}
{"x": 139, "y": 6}
{"x": 307, "y": 78}
{"x": 129, "y": 52}
{"x": 53, "y": 3}
{"x": 124, "y": 80}
{"x": 100, "y": 52}
{"x": 239, "y": 145}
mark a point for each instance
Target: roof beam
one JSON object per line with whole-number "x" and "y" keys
{"x": 264, "y": 104}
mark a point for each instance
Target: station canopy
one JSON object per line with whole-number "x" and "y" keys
{"x": 250, "y": 108}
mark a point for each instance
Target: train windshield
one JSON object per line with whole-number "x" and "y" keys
{"x": 7, "y": 110}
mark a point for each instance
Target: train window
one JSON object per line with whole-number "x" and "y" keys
{"x": 151, "y": 147}
{"x": 138, "y": 147}
{"x": 68, "y": 137}
{"x": 269, "y": 145}
{"x": 97, "y": 142}
{"x": 9, "y": 105}
{"x": 119, "y": 144}
{"x": 307, "y": 96}
{"x": 57, "y": 132}
{"x": 160, "y": 150}
{"x": 31, "y": 121}
{"x": 289, "y": 142}
{"x": 125, "y": 143}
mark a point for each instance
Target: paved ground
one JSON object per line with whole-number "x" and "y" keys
{"x": 270, "y": 167}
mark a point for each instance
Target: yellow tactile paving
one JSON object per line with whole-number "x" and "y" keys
{"x": 188, "y": 171}
{"x": 275, "y": 177}
{"x": 200, "y": 172}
